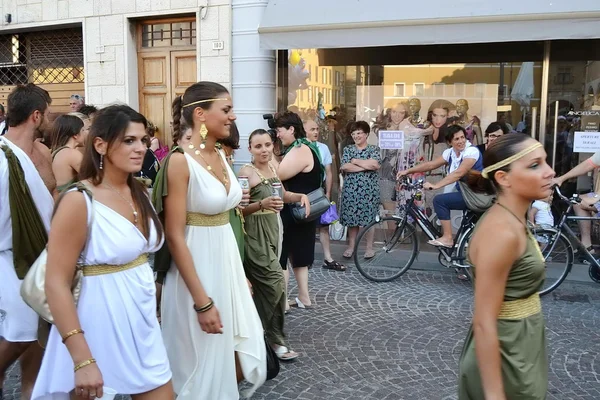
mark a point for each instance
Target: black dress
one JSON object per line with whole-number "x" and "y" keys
{"x": 299, "y": 239}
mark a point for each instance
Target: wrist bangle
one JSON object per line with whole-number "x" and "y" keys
{"x": 73, "y": 332}
{"x": 260, "y": 205}
{"x": 205, "y": 307}
{"x": 84, "y": 364}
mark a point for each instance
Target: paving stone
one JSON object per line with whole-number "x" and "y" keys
{"x": 403, "y": 339}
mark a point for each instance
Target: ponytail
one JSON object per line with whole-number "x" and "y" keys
{"x": 176, "y": 113}
{"x": 478, "y": 183}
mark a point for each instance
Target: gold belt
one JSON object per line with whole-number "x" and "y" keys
{"x": 104, "y": 269}
{"x": 522, "y": 308}
{"x": 199, "y": 219}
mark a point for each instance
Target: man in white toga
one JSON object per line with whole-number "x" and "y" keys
{"x": 28, "y": 109}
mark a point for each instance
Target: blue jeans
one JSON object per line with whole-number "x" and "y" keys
{"x": 443, "y": 203}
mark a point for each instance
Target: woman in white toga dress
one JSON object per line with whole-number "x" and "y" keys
{"x": 111, "y": 337}
{"x": 212, "y": 331}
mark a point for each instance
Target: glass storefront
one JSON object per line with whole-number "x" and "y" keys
{"x": 422, "y": 88}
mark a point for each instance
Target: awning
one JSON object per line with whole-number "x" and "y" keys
{"x": 324, "y": 24}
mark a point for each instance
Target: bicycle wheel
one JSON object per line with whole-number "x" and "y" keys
{"x": 558, "y": 253}
{"x": 393, "y": 249}
{"x": 463, "y": 252}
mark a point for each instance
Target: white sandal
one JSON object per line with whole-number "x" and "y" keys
{"x": 282, "y": 351}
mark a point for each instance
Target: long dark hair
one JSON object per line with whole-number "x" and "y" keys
{"x": 502, "y": 148}
{"x": 63, "y": 129}
{"x": 197, "y": 92}
{"x": 110, "y": 124}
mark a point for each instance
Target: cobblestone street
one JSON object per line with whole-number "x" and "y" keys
{"x": 402, "y": 340}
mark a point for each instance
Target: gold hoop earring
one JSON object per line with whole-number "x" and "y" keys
{"x": 101, "y": 160}
{"x": 203, "y": 133}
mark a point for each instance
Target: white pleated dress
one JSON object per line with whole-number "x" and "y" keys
{"x": 117, "y": 312}
{"x": 204, "y": 365}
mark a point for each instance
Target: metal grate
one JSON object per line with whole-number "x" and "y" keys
{"x": 54, "y": 56}
{"x": 169, "y": 34}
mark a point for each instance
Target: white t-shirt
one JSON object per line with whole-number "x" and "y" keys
{"x": 454, "y": 161}
{"x": 325, "y": 154}
{"x": 543, "y": 216}
{"x": 595, "y": 159}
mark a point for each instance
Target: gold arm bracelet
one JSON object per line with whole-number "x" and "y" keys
{"x": 73, "y": 332}
{"x": 84, "y": 364}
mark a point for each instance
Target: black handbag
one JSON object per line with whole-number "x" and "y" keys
{"x": 319, "y": 204}
{"x": 272, "y": 362}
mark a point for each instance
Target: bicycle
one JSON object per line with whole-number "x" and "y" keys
{"x": 395, "y": 239}
{"x": 558, "y": 246}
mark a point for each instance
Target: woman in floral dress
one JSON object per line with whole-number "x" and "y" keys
{"x": 360, "y": 195}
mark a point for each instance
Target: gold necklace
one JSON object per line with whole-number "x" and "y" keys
{"x": 135, "y": 213}
{"x": 225, "y": 179}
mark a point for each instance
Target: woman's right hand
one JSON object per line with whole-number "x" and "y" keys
{"x": 88, "y": 382}
{"x": 210, "y": 321}
{"x": 273, "y": 203}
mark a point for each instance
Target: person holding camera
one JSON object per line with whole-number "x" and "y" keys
{"x": 300, "y": 172}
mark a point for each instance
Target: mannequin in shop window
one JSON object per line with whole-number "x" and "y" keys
{"x": 414, "y": 107}
{"x": 472, "y": 124}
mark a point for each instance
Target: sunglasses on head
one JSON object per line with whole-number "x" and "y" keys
{"x": 76, "y": 97}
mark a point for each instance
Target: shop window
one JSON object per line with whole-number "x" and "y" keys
{"x": 480, "y": 89}
{"x": 419, "y": 89}
{"x": 43, "y": 57}
{"x": 439, "y": 89}
{"x": 169, "y": 34}
{"x": 399, "y": 90}
{"x": 460, "y": 90}
{"x": 564, "y": 76}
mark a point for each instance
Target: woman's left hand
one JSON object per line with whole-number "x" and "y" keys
{"x": 429, "y": 186}
{"x": 304, "y": 202}
{"x": 250, "y": 287}
{"x": 245, "y": 198}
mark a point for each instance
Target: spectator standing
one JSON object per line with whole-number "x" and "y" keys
{"x": 312, "y": 134}
{"x": 76, "y": 101}
{"x": 360, "y": 194}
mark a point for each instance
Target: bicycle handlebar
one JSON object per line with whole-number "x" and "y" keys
{"x": 410, "y": 184}
{"x": 575, "y": 199}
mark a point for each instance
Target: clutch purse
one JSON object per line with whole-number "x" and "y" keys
{"x": 33, "y": 289}
{"x": 319, "y": 204}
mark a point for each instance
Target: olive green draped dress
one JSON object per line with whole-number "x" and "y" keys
{"x": 261, "y": 263}
{"x": 62, "y": 188}
{"x": 522, "y": 340}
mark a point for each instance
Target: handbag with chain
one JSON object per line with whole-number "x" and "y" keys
{"x": 319, "y": 204}
{"x": 33, "y": 285}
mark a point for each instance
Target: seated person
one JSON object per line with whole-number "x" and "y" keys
{"x": 588, "y": 205}
{"x": 458, "y": 159}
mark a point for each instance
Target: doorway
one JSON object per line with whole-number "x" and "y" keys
{"x": 167, "y": 66}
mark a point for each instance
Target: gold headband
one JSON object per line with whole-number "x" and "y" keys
{"x": 486, "y": 171}
{"x": 204, "y": 101}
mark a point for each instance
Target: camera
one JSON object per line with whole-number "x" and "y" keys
{"x": 271, "y": 123}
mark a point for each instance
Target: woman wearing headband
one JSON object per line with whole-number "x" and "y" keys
{"x": 504, "y": 356}
{"x": 211, "y": 328}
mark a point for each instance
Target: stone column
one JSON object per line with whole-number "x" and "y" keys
{"x": 253, "y": 73}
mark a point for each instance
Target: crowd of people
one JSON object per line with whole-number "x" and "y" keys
{"x": 101, "y": 194}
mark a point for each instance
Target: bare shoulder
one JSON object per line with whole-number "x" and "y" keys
{"x": 246, "y": 170}
{"x": 72, "y": 204}
{"x": 178, "y": 166}
{"x": 42, "y": 149}
{"x": 496, "y": 235}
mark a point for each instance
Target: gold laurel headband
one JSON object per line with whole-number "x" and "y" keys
{"x": 204, "y": 101}
{"x": 509, "y": 160}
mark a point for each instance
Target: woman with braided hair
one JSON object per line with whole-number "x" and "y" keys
{"x": 504, "y": 356}
{"x": 211, "y": 328}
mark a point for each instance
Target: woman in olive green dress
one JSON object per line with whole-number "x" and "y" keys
{"x": 263, "y": 241}
{"x": 68, "y": 135}
{"x": 504, "y": 357}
